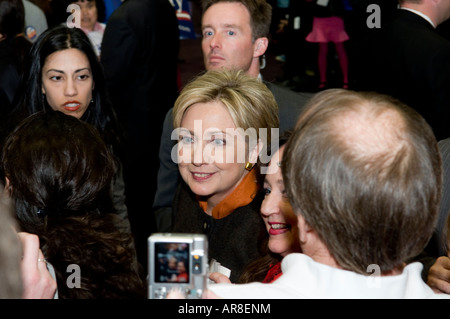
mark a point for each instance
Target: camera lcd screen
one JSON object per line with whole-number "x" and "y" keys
{"x": 172, "y": 262}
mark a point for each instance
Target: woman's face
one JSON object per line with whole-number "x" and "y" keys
{"x": 67, "y": 82}
{"x": 277, "y": 213}
{"x": 89, "y": 14}
{"x": 210, "y": 153}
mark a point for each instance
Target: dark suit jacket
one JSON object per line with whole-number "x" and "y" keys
{"x": 10, "y": 70}
{"x": 140, "y": 54}
{"x": 410, "y": 61}
{"x": 290, "y": 104}
{"x": 140, "y": 58}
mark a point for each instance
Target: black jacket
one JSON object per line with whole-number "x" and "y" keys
{"x": 140, "y": 57}
{"x": 409, "y": 60}
{"x": 233, "y": 241}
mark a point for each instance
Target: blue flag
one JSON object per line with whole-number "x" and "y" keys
{"x": 185, "y": 24}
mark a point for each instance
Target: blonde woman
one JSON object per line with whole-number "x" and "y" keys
{"x": 223, "y": 122}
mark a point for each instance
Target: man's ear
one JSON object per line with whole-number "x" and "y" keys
{"x": 303, "y": 228}
{"x": 261, "y": 45}
{"x": 8, "y": 188}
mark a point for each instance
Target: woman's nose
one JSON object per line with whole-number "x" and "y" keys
{"x": 270, "y": 205}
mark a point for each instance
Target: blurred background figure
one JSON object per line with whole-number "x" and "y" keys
{"x": 91, "y": 15}
{"x": 328, "y": 26}
{"x": 298, "y": 56}
{"x": 408, "y": 59}
{"x": 60, "y": 190}
{"x": 35, "y": 20}
{"x": 92, "y": 12}
{"x": 110, "y": 6}
{"x": 13, "y": 49}
{"x": 140, "y": 58}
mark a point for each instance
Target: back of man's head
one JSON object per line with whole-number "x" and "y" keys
{"x": 365, "y": 172}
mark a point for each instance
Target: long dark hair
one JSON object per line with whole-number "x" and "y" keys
{"x": 60, "y": 171}
{"x": 56, "y": 164}
{"x": 30, "y": 99}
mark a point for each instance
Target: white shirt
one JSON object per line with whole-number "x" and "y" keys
{"x": 96, "y": 36}
{"x": 304, "y": 278}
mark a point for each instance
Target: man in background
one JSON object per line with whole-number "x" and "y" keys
{"x": 235, "y": 36}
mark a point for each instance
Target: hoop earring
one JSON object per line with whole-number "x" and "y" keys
{"x": 248, "y": 166}
{"x": 262, "y": 61}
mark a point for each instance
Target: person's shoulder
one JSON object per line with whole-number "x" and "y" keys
{"x": 409, "y": 25}
{"x": 290, "y": 104}
{"x": 33, "y": 9}
{"x": 141, "y": 5}
{"x": 125, "y": 9}
{"x": 136, "y": 14}
{"x": 283, "y": 94}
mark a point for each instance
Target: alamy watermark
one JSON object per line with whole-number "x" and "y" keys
{"x": 74, "y": 279}
{"x": 74, "y": 19}
{"x": 373, "y": 20}
{"x": 215, "y": 146}
{"x": 372, "y": 281}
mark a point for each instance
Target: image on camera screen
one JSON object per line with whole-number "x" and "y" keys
{"x": 172, "y": 263}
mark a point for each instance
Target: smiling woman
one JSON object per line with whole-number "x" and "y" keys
{"x": 220, "y": 195}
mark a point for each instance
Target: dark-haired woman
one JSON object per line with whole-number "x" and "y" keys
{"x": 58, "y": 172}
{"x": 63, "y": 73}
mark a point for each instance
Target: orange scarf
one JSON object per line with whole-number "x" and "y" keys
{"x": 242, "y": 195}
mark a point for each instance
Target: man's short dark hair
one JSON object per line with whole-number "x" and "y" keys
{"x": 260, "y": 14}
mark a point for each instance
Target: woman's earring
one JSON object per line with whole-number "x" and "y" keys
{"x": 248, "y": 166}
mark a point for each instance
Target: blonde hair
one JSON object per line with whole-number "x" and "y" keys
{"x": 250, "y": 103}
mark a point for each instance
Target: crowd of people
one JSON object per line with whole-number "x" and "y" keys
{"x": 297, "y": 193}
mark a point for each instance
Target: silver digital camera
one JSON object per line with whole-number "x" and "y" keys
{"x": 177, "y": 261}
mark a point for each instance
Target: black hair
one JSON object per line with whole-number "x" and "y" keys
{"x": 29, "y": 98}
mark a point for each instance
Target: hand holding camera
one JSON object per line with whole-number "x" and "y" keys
{"x": 177, "y": 261}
